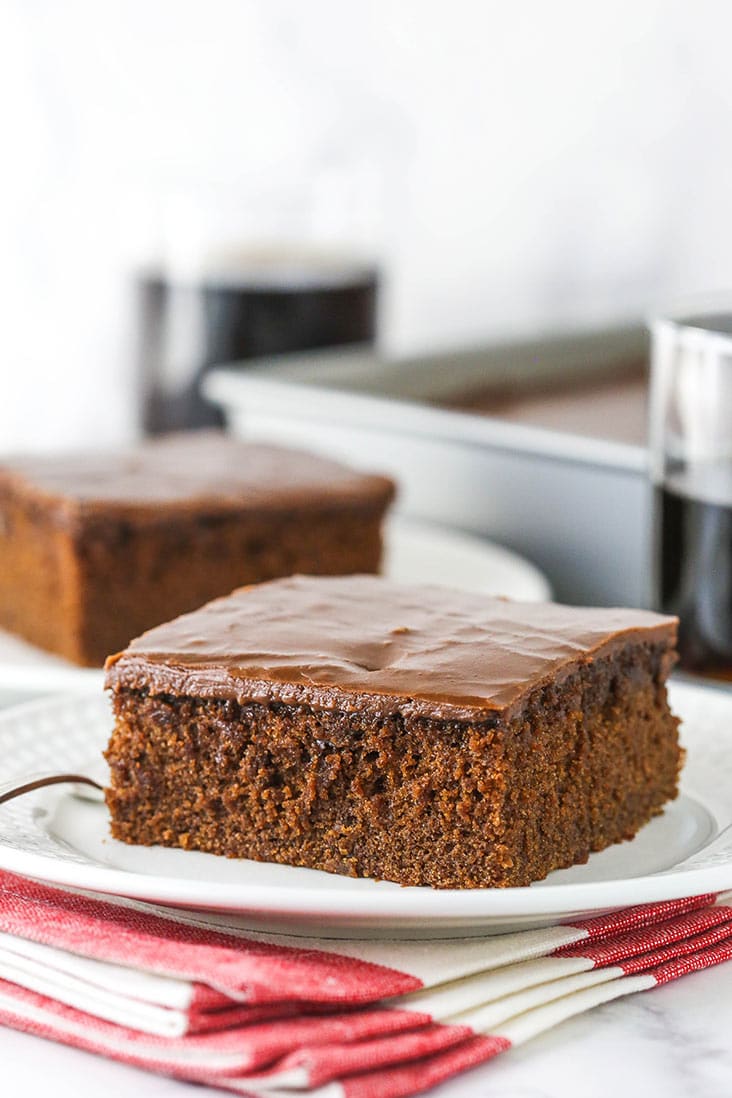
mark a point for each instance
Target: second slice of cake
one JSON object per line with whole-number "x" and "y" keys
{"x": 95, "y": 548}
{"x": 420, "y": 735}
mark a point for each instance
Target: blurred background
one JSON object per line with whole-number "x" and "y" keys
{"x": 522, "y": 169}
{"x": 487, "y": 200}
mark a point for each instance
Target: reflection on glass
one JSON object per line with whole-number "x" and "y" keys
{"x": 691, "y": 440}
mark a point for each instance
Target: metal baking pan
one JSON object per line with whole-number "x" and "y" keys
{"x": 578, "y": 507}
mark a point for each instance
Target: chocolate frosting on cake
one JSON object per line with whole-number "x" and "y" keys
{"x": 183, "y": 470}
{"x": 340, "y": 643}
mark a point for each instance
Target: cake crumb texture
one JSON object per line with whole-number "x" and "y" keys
{"x": 582, "y": 762}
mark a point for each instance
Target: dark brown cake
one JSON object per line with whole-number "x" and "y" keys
{"x": 421, "y": 735}
{"x": 95, "y": 548}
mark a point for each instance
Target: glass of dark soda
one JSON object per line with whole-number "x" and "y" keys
{"x": 238, "y": 272}
{"x": 691, "y": 470}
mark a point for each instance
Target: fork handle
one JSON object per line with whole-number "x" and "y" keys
{"x": 10, "y": 790}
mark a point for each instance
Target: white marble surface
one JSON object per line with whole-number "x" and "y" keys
{"x": 674, "y": 1042}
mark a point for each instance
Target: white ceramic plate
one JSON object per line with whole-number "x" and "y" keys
{"x": 55, "y": 836}
{"x": 415, "y": 553}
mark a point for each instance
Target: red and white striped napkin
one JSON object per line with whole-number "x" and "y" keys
{"x": 266, "y": 1014}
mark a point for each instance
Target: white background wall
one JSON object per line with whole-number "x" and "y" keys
{"x": 544, "y": 165}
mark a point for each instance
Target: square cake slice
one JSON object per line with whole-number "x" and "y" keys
{"x": 96, "y": 548}
{"x": 418, "y": 735}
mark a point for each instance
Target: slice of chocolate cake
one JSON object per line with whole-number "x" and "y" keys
{"x": 420, "y": 735}
{"x": 94, "y": 548}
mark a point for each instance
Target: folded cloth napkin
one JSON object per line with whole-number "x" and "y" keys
{"x": 200, "y": 998}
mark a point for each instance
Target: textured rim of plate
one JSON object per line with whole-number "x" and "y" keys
{"x": 451, "y": 906}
